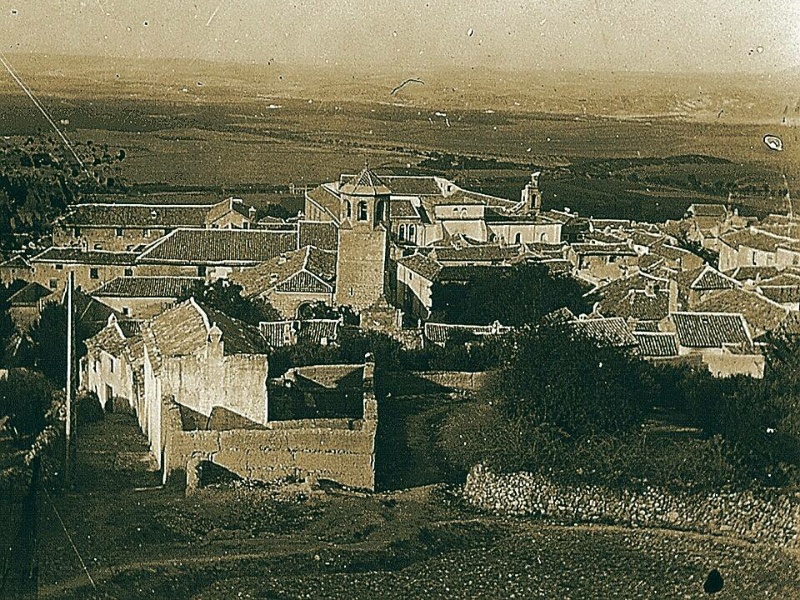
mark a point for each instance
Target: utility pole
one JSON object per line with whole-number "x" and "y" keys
{"x": 68, "y": 436}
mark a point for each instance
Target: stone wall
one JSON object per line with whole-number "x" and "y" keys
{"x": 766, "y": 518}
{"x": 408, "y": 383}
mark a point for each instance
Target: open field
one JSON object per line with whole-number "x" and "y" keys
{"x": 419, "y": 543}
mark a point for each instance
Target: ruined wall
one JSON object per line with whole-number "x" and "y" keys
{"x": 765, "y": 518}
{"x": 341, "y": 450}
{"x": 237, "y": 383}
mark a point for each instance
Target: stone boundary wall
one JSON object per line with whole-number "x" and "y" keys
{"x": 416, "y": 382}
{"x": 764, "y": 518}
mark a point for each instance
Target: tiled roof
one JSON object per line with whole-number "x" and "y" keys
{"x": 783, "y": 279}
{"x": 29, "y": 295}
{"x": 403, "y": 208}
{"x": 422, "y": 265}
{"x": 656, "y": 345}
{"x": 279, "y": 333}
{"x": 76, "y": 256}
{"x": 710, "y": 330}
{"x": 706, "y": 278}
{"x": 413, "y": 185}
{"x": 184, "y": 329}
{"x": 754, "y": 273}
{"x": 781, "y": 294}
{"x": 603, "y": 249}
{"x": 760, "y": 312}
{"x": 647, "y": 326}
{"x": 327, "y": 199}
{"x": 128, "y": 216}
{"x": 642, "y": 238}
{"x": 147, "y": 287}
{"x": 439, "y": 333}
{"x": 637, "y": 304}
{"x": 707, "y": 210}
{"x": 752, "y": 238}
{"x": 159, "y": 198}
{"x": 16, "y": 262}
{"x": 650, "y": 262}
{"x": 315, "y": 330}
{"x": 602, "y": 237}
{"x": 366, "y": 183}
{"x": 319, "y": 234}
{"x": 91, "y": 313}
{"x": 612, "y": 331}
{"x": 111, "y": 339}
{"x": 220, "y": 246}
{"x": 670, "y": 252}
{"x": 306, "y": 270}
{"x": 482, "y": 253}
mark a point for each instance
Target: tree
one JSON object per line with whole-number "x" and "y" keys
{"x": 226, "y": 297}
{"x": 278, "y": 211}
{"x": 514, "y": 296}
{"x": 572, "y": 382}
{"x": 25, "y": 398}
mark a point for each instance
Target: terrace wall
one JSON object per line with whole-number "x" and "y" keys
{"x": 765, "y": 518}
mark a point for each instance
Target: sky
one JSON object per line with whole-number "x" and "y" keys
{"x": 611, "y": 35}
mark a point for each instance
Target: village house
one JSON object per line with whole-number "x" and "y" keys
{"x": 15, "y": 268}
{"x": 144, "y": 297}
{"x": 783, "y": 289}
{"x": 637, "y": 297}
{"x": 291, "y": 280}
{"x": 751, "y": 247}
{"x": 26, "y": 304}
{"x": 699, "y": 284}
{"x": 760, "y": 313}
{"x": 600, "y": 262}
{"x": 130, "y": 225}
{"x": 92, "y": 269}
{"x": 721, "y": 340}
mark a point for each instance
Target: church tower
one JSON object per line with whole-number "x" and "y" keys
{"x": 363, "y": 237}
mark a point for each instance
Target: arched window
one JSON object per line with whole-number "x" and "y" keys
{"x": 542, "y": 237}
{"x": 402, "y": 233}
{"x": 362, "y": 210}
{"x": 518, "y": 238}
{"x": 412, "y": 233}
{"x": 348, "y": 208}
{"x": 381, "y": 210}
{"x": 463, "y": 213}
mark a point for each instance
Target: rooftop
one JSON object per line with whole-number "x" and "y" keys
{"x": 220, "y": 246}
{"x": 147, "y": 287}
{"x": 753, "y": 238}
{"x": 422, "y": 265}
{"x": 366, "y": 183}
{"x": 29, "y": 295}
{"x": 710, "y": 330}
{"x": 760, "y": 312}
{"x": 128, "y": 215}
{"x": 71, "y": 255}
{"x": 656, "y": 345}
{"x": 607, "y": 331}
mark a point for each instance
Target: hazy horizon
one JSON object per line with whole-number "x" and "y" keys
{"x": 672, "y": 37}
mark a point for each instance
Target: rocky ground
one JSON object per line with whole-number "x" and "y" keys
{"x": 141, "y": 541}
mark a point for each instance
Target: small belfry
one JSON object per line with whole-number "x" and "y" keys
{"x": 365, "y": 199}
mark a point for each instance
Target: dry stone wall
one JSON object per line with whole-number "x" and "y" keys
{"x": 765, "y": 518}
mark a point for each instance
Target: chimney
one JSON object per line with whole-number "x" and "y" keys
{"x": 251, "y": 213}
{"x": 214, "y": 345}
{"x": 673, "y": 296}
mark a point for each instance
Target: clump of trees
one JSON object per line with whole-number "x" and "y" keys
{"x": 226, "y": 297}
{"x": 575, "y": 411}
{"x": 515, "y": 296}
{"x": 40, "y": 177}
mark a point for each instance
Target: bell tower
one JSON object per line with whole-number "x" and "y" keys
{"x": 363, "y": 237}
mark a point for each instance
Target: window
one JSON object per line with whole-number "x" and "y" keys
{"x": 518, "y": 238}
{"x": 402, "y": 233}
{"x": 59, "y": 267}
{"x": 126, "y": 311}
{"x": 542, "y": 237}
{"x": 412, "y": 233}
{"x": 119, "y": 232}
{"x": 463, "y": 213}
{"x": 128, "y": 272}
{"x": 348, "y": 209}
{"x": 201, "y": 271}
{"x": 53, "y": 283}
{"x": 93, "y": 273}
{"x": 362, "y": 211}
{"x": 381, "y": 210}
{"x": 77, "y": 232}
{"x": 98, "y": 246}
{"x": 146, "y": 232}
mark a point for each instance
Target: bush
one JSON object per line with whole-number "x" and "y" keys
{"x": 26, "y": 397}
{"x": 88, "y": 408}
